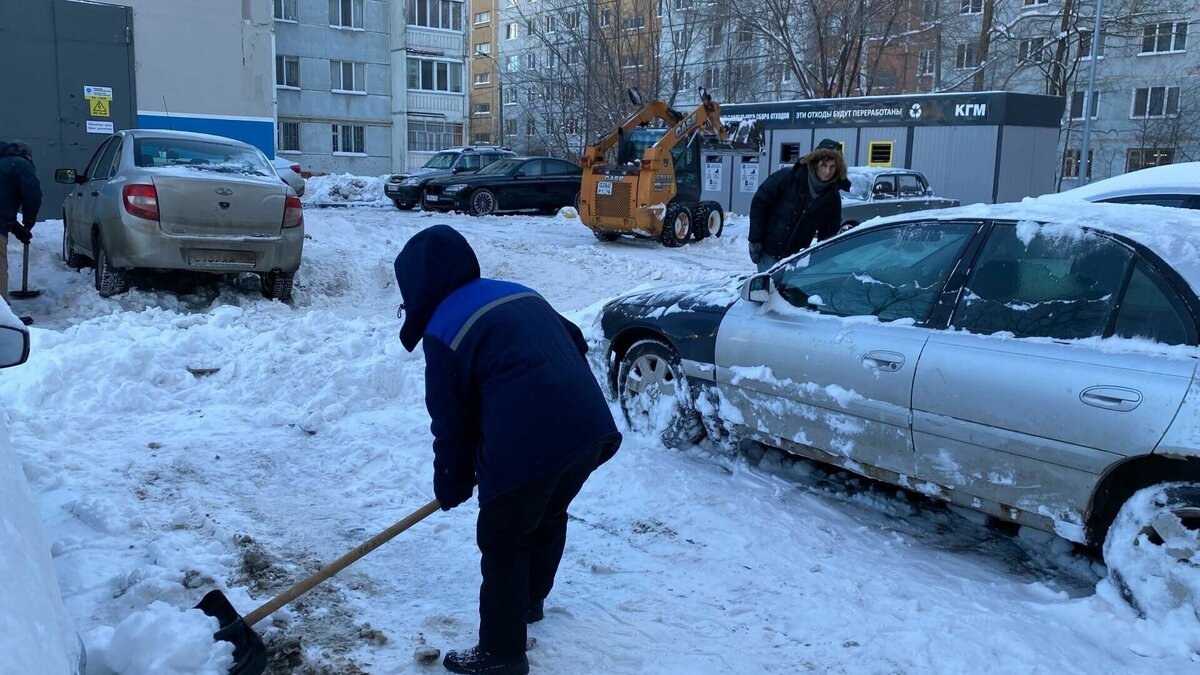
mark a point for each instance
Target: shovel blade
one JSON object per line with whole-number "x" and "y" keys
{"x": 249, "y": 652}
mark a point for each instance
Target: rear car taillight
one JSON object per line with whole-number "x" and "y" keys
{"x": 295, "y": 167}
{"x": 293, "y": 212}
{"x": 141, "y": 201}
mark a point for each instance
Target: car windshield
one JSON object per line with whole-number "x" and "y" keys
{"x": 442, "y": 160}
{"x": 860, "y": 185}
{"x": 200, "y": 155}
{"x": 500, "y": 168}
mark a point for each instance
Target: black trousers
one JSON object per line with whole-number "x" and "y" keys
{"x": 521, "y": 536}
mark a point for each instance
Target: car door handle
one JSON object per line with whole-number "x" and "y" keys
{"x": 1111, "y": 398}
{"x": 883, "y": 360}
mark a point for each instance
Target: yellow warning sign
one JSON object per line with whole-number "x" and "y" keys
{"x": 98, "y": 106}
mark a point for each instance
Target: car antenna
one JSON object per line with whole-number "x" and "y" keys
{"x": 168, "y": 112}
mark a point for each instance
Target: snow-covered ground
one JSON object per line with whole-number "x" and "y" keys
{"x": 156, "y": 484}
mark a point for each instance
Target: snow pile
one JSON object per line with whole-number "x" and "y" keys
{"x": 160, "y": 640}
{"x": 344, "y": 189}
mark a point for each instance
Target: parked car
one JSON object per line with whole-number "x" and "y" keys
{"x": 511, "y": 184}
{"x": 1033, "y": 362}
{"x": 1175, "y": 185}
{"x": 876, "y": 192}
{"x": 38, "y": 636}
{"x": 407, "y": 190}
{"x": 174, "y": 200}
{"x": 289, "y": 172}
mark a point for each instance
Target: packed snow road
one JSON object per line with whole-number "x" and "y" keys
{"x": 157, "y": 484}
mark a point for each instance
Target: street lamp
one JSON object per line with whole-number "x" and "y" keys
{"x": 499, "y": 92}
{"x": 1089, "y": 101}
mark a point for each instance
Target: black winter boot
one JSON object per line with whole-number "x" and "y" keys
{"x": 471, "y": 661}
{"x": 536, "y": 611}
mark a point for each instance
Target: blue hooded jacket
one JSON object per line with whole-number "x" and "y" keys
{"x": 508, "y": 388}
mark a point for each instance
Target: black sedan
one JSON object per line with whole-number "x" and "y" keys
{"x": 545, "y": 184}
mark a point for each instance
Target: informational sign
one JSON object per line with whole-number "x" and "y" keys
{"x": 749, "y": 176}
{"x": 99, "y": 100}
{"x": 712, "y": 176}
{"x": 95, "y": 127}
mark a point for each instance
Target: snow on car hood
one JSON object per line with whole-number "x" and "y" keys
{"x": 420, "y": 171}
{"x": 717, "y": 294}
{"x": 1165, "y": 179}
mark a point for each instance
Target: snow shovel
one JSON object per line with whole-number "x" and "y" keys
{"x": 25, "y": 293}
{"x": 249, "y": 652}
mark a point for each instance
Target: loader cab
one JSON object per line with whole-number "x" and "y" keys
{"x": 685, "y": 156}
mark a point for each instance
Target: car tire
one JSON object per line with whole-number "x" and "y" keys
{"x": 73, "y": 260}
{"x": 483, "y": 203}
{"x": 1152, "y": 550}
{"x": 404, "y": 206}
{"x": 709, "y": 220}
{"x": 277, "y": 285}
{"x": 606, "y": 236}
{"x": 109, "y": 280}
{"x": 676, "y": 226}
{"x": 654, "y": 395}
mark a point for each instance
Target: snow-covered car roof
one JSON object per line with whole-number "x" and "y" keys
{"x": 1167, "y": 179}
{"x": 1173, "y": 234}
{"x": 878, "y": 170}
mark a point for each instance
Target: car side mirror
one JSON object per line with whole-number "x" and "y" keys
{"x": 66, "y": 176}
{"x": 14, "y": 345}
{"x": 458, "y": 169}
{"x": 519, "y": 174}
{"x": 928, "y": 192}
{"x": 757, "y": 288}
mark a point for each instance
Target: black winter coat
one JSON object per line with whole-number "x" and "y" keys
{"x": 509, "y": 391}
{"x": 19, "y": 188}
{"x": 783, "y": 217}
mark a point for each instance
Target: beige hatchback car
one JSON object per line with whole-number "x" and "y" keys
{"x": 173, "y": 200}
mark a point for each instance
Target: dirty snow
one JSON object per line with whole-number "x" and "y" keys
{"x": 156, "y": 485}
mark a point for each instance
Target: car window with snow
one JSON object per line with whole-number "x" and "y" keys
{"x": 860, "y": 185}
{"x": 442, "y": 160}
{"x": 1151, "y": 309}
{"x": 890, "y": 273}
{"x": 201, "y": 155}
{"x": 1062, "y": 287}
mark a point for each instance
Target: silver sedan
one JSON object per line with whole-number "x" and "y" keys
{"x": 171, "y": 200}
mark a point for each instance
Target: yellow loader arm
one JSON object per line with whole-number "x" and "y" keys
{"x": 706, "y": 117}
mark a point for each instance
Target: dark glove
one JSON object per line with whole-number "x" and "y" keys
{"x": 22, "y": 233}
{"x": 755, "y": 252}
{"x": 451, "y": 492}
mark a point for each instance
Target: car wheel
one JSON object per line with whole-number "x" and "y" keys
{"x": 1153, "y": 549}
{"x": 109, "y": 280}
{"x": 606, "y": 236}
{"x": 70, "y": 257}
{"x": 483, "y": 203}
{"x": 710, "y": 220}
{"x": 404, "y": 206}
{"x": 847, "y": 226}
{"x": 677, "y": 226}
{"x": 277, "y": 285}
{"x": 654, "y": 395}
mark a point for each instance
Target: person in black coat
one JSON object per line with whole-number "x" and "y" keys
{"x": 21, "y": 192}
{"x": 797, "y": 203}
{"x": 516, "y": 410}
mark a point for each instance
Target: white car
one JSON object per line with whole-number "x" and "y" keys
{"x": 289, "y": 172}
{"x": 1176, "y": 185}
{"x": 37, "y": 635}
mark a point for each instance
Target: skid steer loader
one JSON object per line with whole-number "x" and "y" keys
{"x": 652, "y": 189}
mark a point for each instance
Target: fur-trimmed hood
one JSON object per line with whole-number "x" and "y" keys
{"x": 821, "y": 154}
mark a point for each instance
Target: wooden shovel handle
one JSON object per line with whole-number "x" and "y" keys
{"x": 302, "y": 587}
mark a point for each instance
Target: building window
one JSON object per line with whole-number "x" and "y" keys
{"x": 432, "y": 136}
{"x": 678, "y": 41}
{"x": 1032, "y": 50}
{"x": 531, "y": 26}
{"x": 633, "y": 22}
{"x": 432, "y": 75}
{"x": 971, "y": 7}
{"x": 570, "y": 56}
{"x": 530, "y": 127}
{"x": 443, "y": 14}
{"x": 606, "y": 18}
{"x": 1085, "y": 44}
{"x": 481, "y": 139}
{"x": 745, "y": 32}
{"x": 481, "y": 109}
{"x": 964, "y": 55}
{"x": 712, "y": 77}
{"x": 531, "y": 60}
{"x": 571, "y": 20}
{"x": 512, "y": 63}
{"x": 287, "y": 137}
{"x": 1155, "y": 102}
{"x": 348, "y": 138}
{"x": 346, "y": 13}
{"x": 1144, "y": 158}
{"x": 510, "y": 96}
{"x": 1169, "y": 36}
{"x": 683, "y": 4}
{"x": 551, "y": 23}
{"x": 1034, "y": 3}
{"x": 925, "y": 62}
{"x": 1071, "y": 164}
{"x": 929, "y": 9}
{"x": 879, "y": 153}
{"x": 717, "y": 36}
{"x": 348, "y": 76}
{"x": 482, "y": 17}
{"x": 285, "y": 10}
{"x": 512, "y": 31}
{"x": 510, "y": 127}
{"x": 483, "y": 78}
{"x": 1077, "y": 101}
{"x": 287, "y": 71}
{"x": 631, "y": 60}
{"x": 483, "y": 48}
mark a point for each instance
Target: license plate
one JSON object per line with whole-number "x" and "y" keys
{"x": 391, "y": 188}
{"x": 202, "y": 258}
{"x": 431, "y": 198}
{"x": 604, "y": 188}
